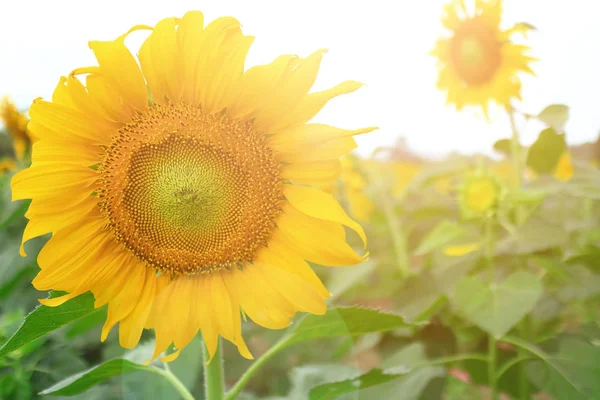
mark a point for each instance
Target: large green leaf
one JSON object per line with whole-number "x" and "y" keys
{"x": 82, "y": 381}
{"x": 583, "y": 284}
{"x": 536, "y": 234}
{"x": 555, "y": 116}
{"x": 417, "y": 295}
{"x": 543, "y": 155}
{"x": 306, "y": 377}
{"x": 380, "y": 384}
{"x": 496, "y": 308}
{"x": 45, "y": 319}
{"x": 345, "y": 321}
{"x": 568, "y": 367}
{"x": 407, "y": 371}
{"x": 343, "y": 279}
{"x": 444, "y": 233}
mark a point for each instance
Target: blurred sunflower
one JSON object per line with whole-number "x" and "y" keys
{"x": 16, "y": 125}
{"x": 181, "y": 193}
{"x": 353, "y": 185}
{"x": 7, "y": 165}
{"x": 564, "y": 168}
{"x": 478, "y": 63}
{"x": 479, "y": 194}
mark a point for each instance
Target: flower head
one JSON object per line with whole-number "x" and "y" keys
{"x": 183, "y": 191}
{"x": 564, "y": 168}
{"x": 479, "y": 194}
{"x": 16, "y": 125}
{"x": 478, "y": 62}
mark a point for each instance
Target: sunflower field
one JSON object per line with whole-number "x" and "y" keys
{"x": 174, "y": 225}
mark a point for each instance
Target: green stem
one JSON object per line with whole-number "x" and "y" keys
{"x": 213, "y": 375}
{"x": 489, "y": 248}
{"x": 489, "y": 257}
{"x": 397, "y": 235}
{"x": 174, "y": 381}
{"x": 492, "y": 366}
{"x": 515, "y": 147}
{"x": 518, "y": 165}
{"x": 239, "y": 385}
{"x": 521, "y": 352}
{"x": 452, "y": 359}
{"x": 509, "y": 364}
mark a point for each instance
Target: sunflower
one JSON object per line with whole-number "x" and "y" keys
{"x": 180, "y": 191}
{"x": 564, "y": 168}
{"x": 479, "y": 194}
{"x": 478, "y": 63}
{"x": 16, "y": 125}
{"x": 6, "y": 165}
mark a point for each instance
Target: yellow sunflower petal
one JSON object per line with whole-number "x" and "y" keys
{"x": 159, "y": 63}
{"x": 318, "y": 204}
{"x": 47, "y": 181}
{"x": 311, "y": 104}
{"x": 319, "y": 241}
{"x": 315, "y": 173}
{"x": 121, "y": 70}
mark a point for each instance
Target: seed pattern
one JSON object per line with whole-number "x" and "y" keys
{"x": 189, "y": 192}
{"x": 476, "y": 52}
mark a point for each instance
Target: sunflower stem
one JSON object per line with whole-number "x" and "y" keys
{"x": 239, "y": 385}
{"x": 396, "y": 232}
{"x": 489, "y": 257}
{"x": 174, "y": 381}
{"x": 515, "y": 146}
{"x": 518, "y": 166}
{"x": 213, "y": 374}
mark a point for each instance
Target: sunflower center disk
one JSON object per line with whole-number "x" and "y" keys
{"x": 475, "y": 52}
{"x": 189, "y": 192}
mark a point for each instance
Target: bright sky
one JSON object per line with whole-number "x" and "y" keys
{"x": 383, "y": 43}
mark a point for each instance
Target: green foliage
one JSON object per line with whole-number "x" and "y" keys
{"x": 555, "y": 116}
{"x": 45, "y": 319}
{"x": 567, "y": 367}
{"x": 344, "y": 321}
{"x": 444, "y": 233}
{"x": 82, "y": 381}
{"x": 544, "y": 153}
{"x": 497, "y": 308}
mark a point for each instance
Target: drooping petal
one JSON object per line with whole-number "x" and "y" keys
{"x": 317, "y": 240}
{"x": 321, "y": 205}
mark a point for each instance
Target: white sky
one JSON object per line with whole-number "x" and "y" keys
{"x": 383, "y": 43}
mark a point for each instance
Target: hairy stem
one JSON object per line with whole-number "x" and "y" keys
{"x": 213, "y": 375}
{"x": 174, "y": 381}
{"x": 237, "y": 388}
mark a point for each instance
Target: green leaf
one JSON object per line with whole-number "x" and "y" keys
{"x": 45, "y": 319}
{"x": 444, "y": 233}
{"x": 345, "y": 321}
{"x": 82, "y": 381}
{"x": 583, "y": 284}
{"x": 306, "y": 377}
{"x": 553, "y": 266}
{"x": 568, "y": 367}
{"x": 534, "y": 235}
{"x": 555, "y": 116}
{"x": 497, "y": 308}
{"x": 417, "y": 295}
{"x": 543, "y": 155}
{"x": 504, "y": 146}
{"x": 343, "y": 279}
{"x": 381, "y": 384}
